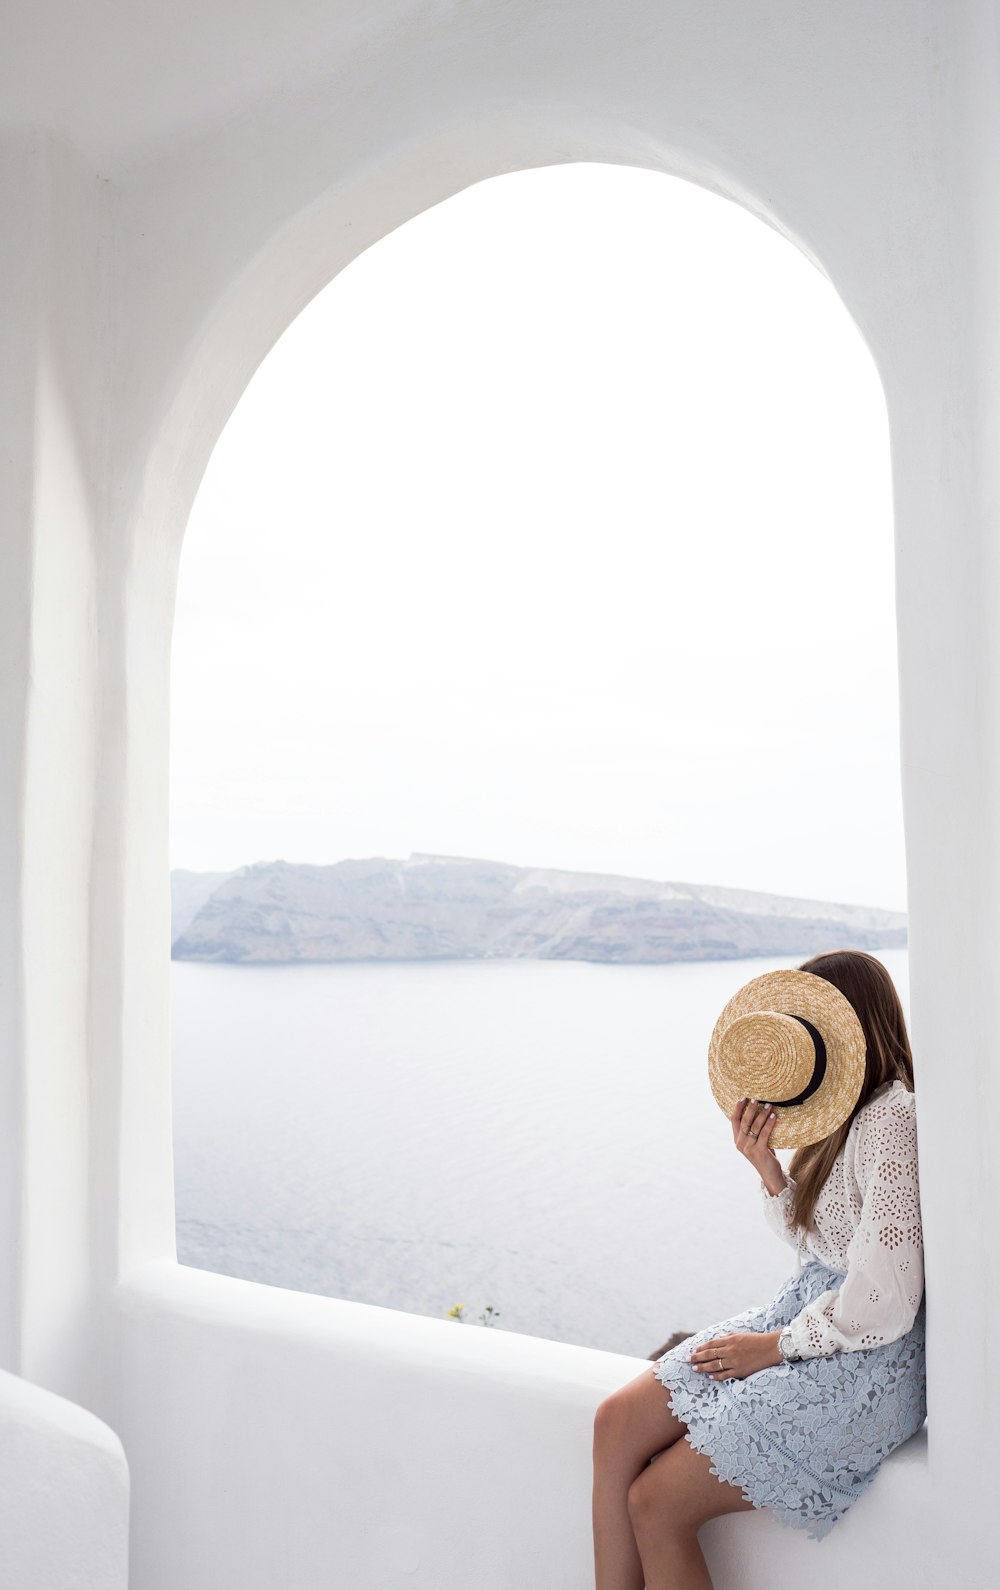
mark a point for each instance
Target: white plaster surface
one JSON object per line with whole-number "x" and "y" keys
{"x": 171, "y": 200}
{"x": 308, "y": 1441}
{"x": 64, "y": 1494}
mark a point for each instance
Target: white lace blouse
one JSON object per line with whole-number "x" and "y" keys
{"x": 867, "y": 1226}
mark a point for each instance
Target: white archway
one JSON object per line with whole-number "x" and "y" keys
{"x": 259, "y": 304}
{"x": 849, "y": 138}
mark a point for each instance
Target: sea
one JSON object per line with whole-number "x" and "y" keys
{"x": 532, "y": 1143}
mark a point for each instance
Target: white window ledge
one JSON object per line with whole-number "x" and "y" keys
{"x": 258, "y": 1407}
{"x": 64, "y": 1494}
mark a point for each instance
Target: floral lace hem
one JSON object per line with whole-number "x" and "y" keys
{"x": 804, "y": 1439}
{"x": 744, "y": 1455}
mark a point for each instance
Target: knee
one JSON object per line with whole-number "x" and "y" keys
{"x": 608, "y": 1422}
{"x": 641, "y": 1501}
{"x": 656, "y": 1507}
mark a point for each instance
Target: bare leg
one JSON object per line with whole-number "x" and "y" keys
{"x": 630, "y": 1428}
{"x": 667, "y": 1504}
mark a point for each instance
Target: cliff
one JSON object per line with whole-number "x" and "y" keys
{"x": 453, "y": 907}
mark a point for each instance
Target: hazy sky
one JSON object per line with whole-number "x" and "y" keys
{"x": 556, "y": 530}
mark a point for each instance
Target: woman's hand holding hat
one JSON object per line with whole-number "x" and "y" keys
{"x": 794, "y": 1037}
{"x": 752, "y": 1123}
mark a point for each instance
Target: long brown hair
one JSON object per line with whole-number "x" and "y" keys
{"x": 872, "y": 992}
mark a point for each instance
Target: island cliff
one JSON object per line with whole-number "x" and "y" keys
{"x": 453, "y": 907}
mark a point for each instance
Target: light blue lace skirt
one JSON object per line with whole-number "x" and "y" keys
{"x": 804, "y": 1439}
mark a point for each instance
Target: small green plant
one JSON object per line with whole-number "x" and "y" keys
{"x": 487, "y": 1317}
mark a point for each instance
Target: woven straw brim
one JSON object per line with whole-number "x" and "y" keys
{"x": 758, "y": 1061}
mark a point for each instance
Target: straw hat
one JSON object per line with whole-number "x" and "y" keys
{"x": 793, "y": 1040}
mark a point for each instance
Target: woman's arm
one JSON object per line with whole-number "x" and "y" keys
{"x": 877, "y": 1300}
{"x": 778, "y": 1211}
{"x": 752, "y": 1123}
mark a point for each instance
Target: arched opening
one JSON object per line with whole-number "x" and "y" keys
{"x": 666, "y": 710}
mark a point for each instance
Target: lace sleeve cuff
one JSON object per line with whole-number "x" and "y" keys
{"x": 778, "y": 1212}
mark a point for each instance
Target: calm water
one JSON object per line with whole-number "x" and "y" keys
{"x": 539, "y": 1136}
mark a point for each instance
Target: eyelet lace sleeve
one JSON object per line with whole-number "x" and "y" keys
{"x": 778, "y": 1212}
{"x": 877, "y": 1300}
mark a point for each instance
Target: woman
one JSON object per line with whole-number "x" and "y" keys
{"x": 800, "y": 1428}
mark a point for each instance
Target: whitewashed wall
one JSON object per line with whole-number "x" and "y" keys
{"x": 140, "y": 293}
{"x": 306, "y": 1441}
{"x": 64, "y": 1494}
